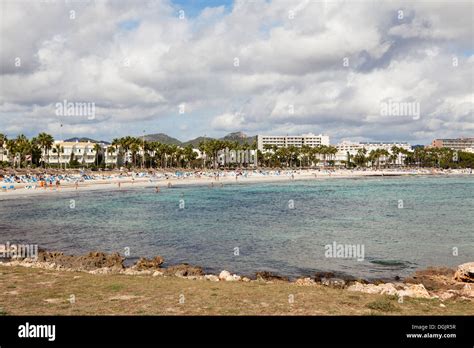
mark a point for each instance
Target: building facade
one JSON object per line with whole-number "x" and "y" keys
{"x": 454, "y": 144}
{"x": 352, "y": 148}
{"x": 3, "y": 154}
{"x": 82, "y": 152}
{"x": 291, "y": 140}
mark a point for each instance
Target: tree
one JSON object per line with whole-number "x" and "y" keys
{"x": 11, "y": 148}
{"x": 110, "y": 150}
{"x": 97, "y": 149}
{"x": 59, "y": 149}
{"x": 45, "y": 142}
{"x": 360, "y": 159}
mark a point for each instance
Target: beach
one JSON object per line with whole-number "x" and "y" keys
{"x": 124, "y": 180}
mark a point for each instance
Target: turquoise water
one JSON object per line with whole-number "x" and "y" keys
{"x": 437, "y": 216}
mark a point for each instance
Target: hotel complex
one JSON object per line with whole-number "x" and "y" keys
{"x": 64, "y": 152}
{"x": 346, "y": 148}
{"x": 82, "y": 152}
{"x": 454, "y": 144}
{"x": 291, "y": 140}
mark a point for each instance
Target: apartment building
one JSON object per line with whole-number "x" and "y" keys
{"x": 292, "y": 140}
{"x": 352, "y": 148}
{"x": 82, "y": 152}
{"x": 454, "y": 144}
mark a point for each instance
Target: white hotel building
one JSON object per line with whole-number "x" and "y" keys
{"x": 292, "y": 140}
{"x": 352, "y": 148}
{"x": 83, "y": 153}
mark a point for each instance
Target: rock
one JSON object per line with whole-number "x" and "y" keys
{"x": 224, "y": 275}
{"x": 367, "y": 288}
{"x": 414, "y": 290}
{"x": 183, "y": 270}
{"x": 134, "y": 272}
{"x": 245, "y": 279}
{"x": 333, "y": 282}
{"x": 53, "y": 300}
{"x": 442, "y": 305}
{"x": 320, "y": 275}
{"x": 305, "y": 282}
{"x": 465, "y": 273}
{"x": 445, "y": 296}
{"x": 89, "y": 262}
{"x": 211, "y": 277}
{"x": 146, "y": 264}
{"x": 193, "y": 277}
{"x": 157, "y": 274}
{"x": 268, "y": 276}
{"x": 467, "y": 291}
{"x": 104, "y": 270}
{"x": 387, "y": 288}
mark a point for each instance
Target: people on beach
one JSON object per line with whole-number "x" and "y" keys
{"x": 169, "y": 185}
{"x": 76, "y": 185}
{"x": 157, "y": 189}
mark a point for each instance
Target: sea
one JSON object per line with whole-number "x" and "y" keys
{"x": 372, "y": 228}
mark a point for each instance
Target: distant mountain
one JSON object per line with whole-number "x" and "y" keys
{"x": 240, "y": 137}
{"x": 85, "y": 140}
{"x": 162, "y": 138}
{"x": 195, "y": 142}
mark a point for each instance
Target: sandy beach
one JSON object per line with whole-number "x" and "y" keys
{"x": 115, "y": 181}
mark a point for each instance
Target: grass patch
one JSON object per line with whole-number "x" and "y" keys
{"x": 139, "y": 296}
{"x": 383, "y": 305}
{"x": 115, "y": 287}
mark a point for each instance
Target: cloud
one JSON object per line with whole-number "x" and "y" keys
{"x": 260, "y": 66}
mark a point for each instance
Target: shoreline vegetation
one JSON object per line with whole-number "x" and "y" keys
{"x": 100, "y": 283}
{"x": 18, "y": 183}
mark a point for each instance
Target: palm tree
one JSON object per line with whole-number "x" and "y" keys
{"x": 46, "y": 142}
{"x": 134, "y": 148}
{"x": 59, "y": 150}
{"x": 97, "y": 149}
{"x": 22, "y": 147}
{"x": 360, "y": 158}
{"x": 11, "y": 148}
{"x": 331, "y": 151}
{"x": 394, "y": 156}
{"x": 110, "y": 150}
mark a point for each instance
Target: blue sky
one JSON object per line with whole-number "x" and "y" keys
{"x": 192, "y": 8}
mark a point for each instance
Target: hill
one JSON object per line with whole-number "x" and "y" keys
{"x": 239, "y": 137}
{"x": 162, "y": 138}
{"x": 85, "y": 140}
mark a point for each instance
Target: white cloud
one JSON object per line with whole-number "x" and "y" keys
{"x": 141, "y": 75}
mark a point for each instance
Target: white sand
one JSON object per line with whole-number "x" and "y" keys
{"x": 125, "y": 183}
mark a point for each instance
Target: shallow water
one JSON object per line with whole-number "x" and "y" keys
{"x": 437, "y": 216}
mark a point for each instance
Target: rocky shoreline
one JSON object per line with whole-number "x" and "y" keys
{"x": 432, "y": 283}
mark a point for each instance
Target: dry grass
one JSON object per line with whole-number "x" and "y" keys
{"x": 25, "y": 291}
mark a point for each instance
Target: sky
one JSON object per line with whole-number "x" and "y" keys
{"x": 191, "y": 68}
